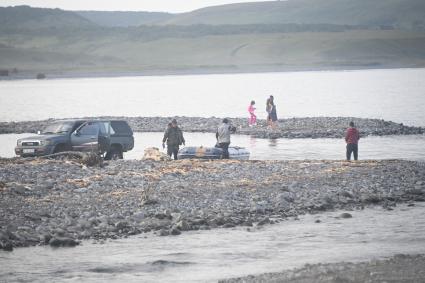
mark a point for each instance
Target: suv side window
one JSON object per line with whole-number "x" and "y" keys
{"x": 121, "y": 128}
{"x": 90, "y": 129}
{"x": 76, "y": 125}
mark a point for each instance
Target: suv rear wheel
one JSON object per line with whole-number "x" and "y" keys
{"x": 114, "y": 154}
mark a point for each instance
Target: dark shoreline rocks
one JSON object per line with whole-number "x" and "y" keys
{"x": 399, "y": 268}
{"x": 41, "y": 199}
{"x": 314, "y": 127}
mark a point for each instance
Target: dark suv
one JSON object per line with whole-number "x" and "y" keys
{"x": 109, "y": 137}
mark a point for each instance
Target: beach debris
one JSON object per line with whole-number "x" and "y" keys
{"x": 153, "y": 153}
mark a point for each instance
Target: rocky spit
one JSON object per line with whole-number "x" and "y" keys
{"x": 400, "y": 268}
{"x": 317, "y": 127}
{"x": 60, "y": 202}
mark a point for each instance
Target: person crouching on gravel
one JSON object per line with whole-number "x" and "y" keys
{"x": 352, "y": 139}
{"x": 174, "y": 138}
{"x": 223, "y": 137}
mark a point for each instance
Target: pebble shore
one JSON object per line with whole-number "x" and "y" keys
{"x": 400, "y": 268}
{"x": 316, "y": 127}
{"x": 60, "y": 202}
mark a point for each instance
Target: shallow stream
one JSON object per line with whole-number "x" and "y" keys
{"x": 388, "y": 147}
{"x": 225, "y": 253}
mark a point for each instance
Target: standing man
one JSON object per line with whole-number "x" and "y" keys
{"x": 174, "y": 138}
{"x": 352, "y": 139}
{"x": 223, "y": 136}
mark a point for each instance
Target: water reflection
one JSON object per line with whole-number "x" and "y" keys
{"x": 252, "y": 142}
{"x": 272, "y": 142}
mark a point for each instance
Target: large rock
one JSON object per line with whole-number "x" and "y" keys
{"x": 6, "y": 245}
{"x": 63, "y": 242}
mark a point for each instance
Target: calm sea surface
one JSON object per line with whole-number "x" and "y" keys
{"x": 396, "y": 94}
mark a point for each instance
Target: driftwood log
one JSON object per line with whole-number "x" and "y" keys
{"x": 86, "y": 158}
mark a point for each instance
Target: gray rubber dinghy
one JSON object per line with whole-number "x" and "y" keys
{"x": 201, "y": 152}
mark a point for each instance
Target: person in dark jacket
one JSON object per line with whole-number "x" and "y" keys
{"x": 174, "y": 138}
{"x": 352, "y": 137}
{"x": 271, "y": 110}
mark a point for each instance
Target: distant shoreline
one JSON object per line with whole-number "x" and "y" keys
{"x": 292, "y": 128}
{"x": 32, "y": 75}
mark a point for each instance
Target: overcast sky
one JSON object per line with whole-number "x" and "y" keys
{"x": 173, "y": 6}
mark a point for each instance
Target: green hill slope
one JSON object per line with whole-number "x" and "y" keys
{"x": 120, "y": 52}
{"x": 25, "y": 17}
{"x": 55, "y": 41}
{"x": 396, "y": 13}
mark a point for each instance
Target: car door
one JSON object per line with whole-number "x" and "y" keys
{"x": 86, "y": 137}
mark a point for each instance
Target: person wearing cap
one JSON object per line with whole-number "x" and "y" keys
{"x": 223, "y": 136}
{"x": 352, "y": 137}
{"x": 174, "y": 138}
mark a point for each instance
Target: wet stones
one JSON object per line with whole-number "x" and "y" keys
{"x": 182, "y": 225}
{"x": 6, "y": 245}
{"x": 345, "y": 215}
{"x": 175, "y": 231}
{"x": 370, "y": 199}
{"x": 20, "y": 190}
{"x": 63, "y": 242}
{"x": 164, "y": 232}
{"x": 264, "y": 221}
{"x": 399, "y": 268}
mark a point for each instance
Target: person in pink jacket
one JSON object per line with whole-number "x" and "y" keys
{"x": 252, "y": 121}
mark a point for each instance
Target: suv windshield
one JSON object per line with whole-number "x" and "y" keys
{"x": 58, "y": 128}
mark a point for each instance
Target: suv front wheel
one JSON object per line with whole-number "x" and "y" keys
{"x": 60, "y": 148}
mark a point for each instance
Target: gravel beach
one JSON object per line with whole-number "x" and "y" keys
{"x": 315, "y": 127}
{"x": 400, "y": 268}
{"x": 60, "y": 202}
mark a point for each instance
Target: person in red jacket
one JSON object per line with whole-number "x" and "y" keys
{"x": 352, "y": 139}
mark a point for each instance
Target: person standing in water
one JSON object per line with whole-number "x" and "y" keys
{"x": 252, "y": 121}
{"x": 174, "y": 138}
{"x": 352, "y": 137}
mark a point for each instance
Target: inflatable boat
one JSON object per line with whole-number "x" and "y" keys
{"x": 200, "y": 152}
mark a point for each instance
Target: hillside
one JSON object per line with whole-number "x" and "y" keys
{"x": 120, "y": 52}
{"x": 124, "y": 19}
{"x": 27, "y": 18}
{"x": 59, "y": 42}
{"x": 405, "y": 14}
